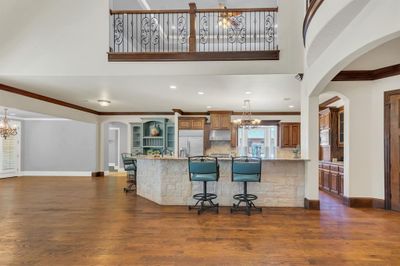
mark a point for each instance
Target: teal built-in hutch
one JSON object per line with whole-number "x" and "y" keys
{"x": 144, "y": 142}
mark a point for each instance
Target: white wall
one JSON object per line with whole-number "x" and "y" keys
{"x": 377, "y": 23}
{"x": 71, "y": 37}
{"x": 58, "y": 146}
{"x": 364, "y": 147}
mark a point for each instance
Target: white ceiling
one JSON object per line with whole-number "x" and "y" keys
{"x": 385, "y": 55}
{"x": 152, "y": 94}
{"x": 20, "y": 114}
{"x": 184, "y": 4}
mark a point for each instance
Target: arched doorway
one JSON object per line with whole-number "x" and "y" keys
{"x": 333, "y": 142}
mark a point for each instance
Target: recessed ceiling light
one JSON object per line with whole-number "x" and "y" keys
{"x": 248, "y": 92}
{"x": 291, "y": 106}
{"x": 172, "y": 87}
{"x": 286, "y": 99}
{"x": 104, "y": 102}
{"x": 209, "y": 106}
{"x": 200, "y": 93}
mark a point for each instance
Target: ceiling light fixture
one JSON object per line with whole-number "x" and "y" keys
{"x": 5, "y": 129}
{"x": 172, "y": 87}
{"x": 227, "y": 18}
{"x": 200, "y": 93}
{"x": 209, "y": 106}
{"x": 247, "y": 119}
{"x": 248, "y": 92}
{"x": 291, "y": 106}
{"x": 104, "y": 103}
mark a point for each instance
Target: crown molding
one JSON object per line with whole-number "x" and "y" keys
{"x": 40, "y": 97}
{"x": 368, "y": 75}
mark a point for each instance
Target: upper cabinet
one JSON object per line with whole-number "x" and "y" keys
{"x": 330, "y": 146}
{"x": 234, "y": 135}
{"x": 192, "y": 123}
{"x": 324, "y": 119}
{"x": 220, "y": 120}
{"x": 289, "y": 135}
{"x": 341, "y": 127}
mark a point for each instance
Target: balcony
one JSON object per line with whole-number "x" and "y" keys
{"x": 193, "y": 34}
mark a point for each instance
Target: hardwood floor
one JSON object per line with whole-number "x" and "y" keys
{"x": 90, "y": 221}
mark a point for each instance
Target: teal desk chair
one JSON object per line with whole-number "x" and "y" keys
{"x": 130, "y": 166}
{"x": 204, "y": 169}
{"x": 246, "y": 169}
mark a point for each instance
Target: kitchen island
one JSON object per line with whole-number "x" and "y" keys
{"x": 166, "y": 182}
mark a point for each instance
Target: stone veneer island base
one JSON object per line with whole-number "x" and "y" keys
{"x": 166, "y": 182}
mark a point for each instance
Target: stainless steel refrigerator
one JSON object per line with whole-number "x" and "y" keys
{"x": 191, "y": 143}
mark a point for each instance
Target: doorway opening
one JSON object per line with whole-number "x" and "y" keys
{"x": 392, "y": 150}
{"x": 332, "y": 181}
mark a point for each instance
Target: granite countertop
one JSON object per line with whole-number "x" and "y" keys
{"x": 219, "y": 159}
{"x": 337, "y": 163}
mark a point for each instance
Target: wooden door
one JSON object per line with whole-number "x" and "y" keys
{"x": 395, "y": 151}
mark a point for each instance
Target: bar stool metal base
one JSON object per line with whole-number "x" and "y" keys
{"x": 248, "y": 200}
{"x": 130, "y": 187}
{"x": 131, "y": 183}
{"x": 204, "y": 202}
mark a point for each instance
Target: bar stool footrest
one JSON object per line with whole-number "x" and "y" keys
{"x": 249, "y": 205}
{"x": 204, "y": 202}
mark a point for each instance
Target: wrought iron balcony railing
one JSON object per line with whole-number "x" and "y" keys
{"x": 194, "y": 34}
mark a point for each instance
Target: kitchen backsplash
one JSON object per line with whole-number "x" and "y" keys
{"x": 224, "y": 147}
{"x": 221, "y": 147}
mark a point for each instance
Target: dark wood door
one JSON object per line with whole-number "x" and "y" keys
{"x": 395, "y": 151}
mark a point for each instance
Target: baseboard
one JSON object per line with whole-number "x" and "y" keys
{"x": 96, "y": 174}
{"x": 311, "y": 204}
{"x": 359, "y": 202}
{"x": 56, "y": 173}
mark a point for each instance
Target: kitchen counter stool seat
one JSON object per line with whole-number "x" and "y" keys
{"x": 204, "y": 169}
{"x": 246, "y": 169}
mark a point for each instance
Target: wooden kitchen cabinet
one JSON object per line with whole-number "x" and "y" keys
{"x": 220, "y": 120}
{"x": 191, "y": 123}
{"x": 289, "y": 135}
{"x": 234, "y": 135}
{"x": 331, "y": 178}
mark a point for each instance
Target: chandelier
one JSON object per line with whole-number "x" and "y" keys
{"x": 227, "y": 19}
{"x": 5, "y": 129}
{"x": 247, "y": 119}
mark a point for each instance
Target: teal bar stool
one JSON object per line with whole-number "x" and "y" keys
{"x": 246, "y": 169}
{"x": 204, "y": 169}
{"x": 130, "y": 166}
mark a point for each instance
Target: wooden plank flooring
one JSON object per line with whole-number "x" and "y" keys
{"x": 90, "y": 221}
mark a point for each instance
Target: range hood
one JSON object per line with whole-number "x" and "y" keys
{"x": 220, "y": 135}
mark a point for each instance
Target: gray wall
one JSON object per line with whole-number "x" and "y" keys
{"x": 61, "y": 145}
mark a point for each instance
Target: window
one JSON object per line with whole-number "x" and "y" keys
{"x": 9, "y": 155}
{"x": 259, "y": 141}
